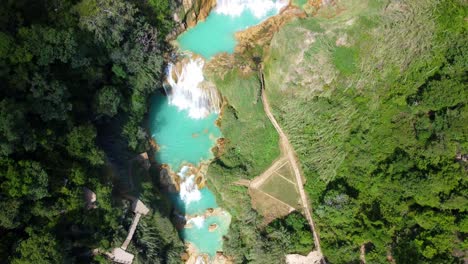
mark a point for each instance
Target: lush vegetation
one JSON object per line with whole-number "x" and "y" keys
{"x": 68, "y": 70}
{"x": 252, "y": 142}
{"x": 251, "y": 147}
{"x": 244, "y": 119}
{"x": 375, "y": 106}
{"x": 373, "y": 97}
{"x": 155, "y": 240}
{"x": 300, "y": 239}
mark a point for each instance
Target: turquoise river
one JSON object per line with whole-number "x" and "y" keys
{"x": 183, "y": 121}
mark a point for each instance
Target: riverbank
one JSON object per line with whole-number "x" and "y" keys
{"x": 235, "y": 105}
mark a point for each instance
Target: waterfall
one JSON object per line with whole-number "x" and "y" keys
{"x": 259, "y": 8}
{"x": 197, "y": 221}
{"x": 188, "y": 188}
{"x": 200, "y": 260}
{"x": 186, "y": 91}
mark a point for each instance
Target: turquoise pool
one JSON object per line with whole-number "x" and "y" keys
{"x": 181, "y": 139}
{"x": 216, "y": 33}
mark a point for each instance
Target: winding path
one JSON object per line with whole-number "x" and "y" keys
{"x": 259, "y": 180}
{"x": 288, "y": 151}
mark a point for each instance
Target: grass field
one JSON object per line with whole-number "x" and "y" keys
{"x": 282, "y": 189}
{"x": 268, "y": 206}
{"x": 287, "y": 172}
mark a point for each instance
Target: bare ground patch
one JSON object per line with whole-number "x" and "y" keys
{"x": 268, "y": 206}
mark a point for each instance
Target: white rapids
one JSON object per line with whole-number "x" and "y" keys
{"x": 259, "y": 8}
{"x": 188, "y": 188}
{"x": 186, "y": 91}
{"x": 197, "y": 221}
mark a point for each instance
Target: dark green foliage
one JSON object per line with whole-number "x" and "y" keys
{"x": 49, "y": 100}
{"x": 156, "y": 240}
{"x": 246, "y": 242}
{"x": 23, "y": 179}
{"x": 108, "y": 100}
{"x": 38, "y": 248}
{"x": 9, "y": 217}
{"x": 13, "y": 128}
{"x": 68, "y": 69}
{"x": 81, "y": 144}
{"x": 301, "y": 240}
{"x": 47, "y": 45}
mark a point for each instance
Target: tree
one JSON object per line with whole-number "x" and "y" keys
{"x": 63, "y": 64}
{"x": 48, "y": 45}
{"x": 107, "y": 19}
{"x": 49, "y": 100}
{"x": 81, "y": 144}
{"x": 107, "y": 101}
{"x": 10, "y": 212}
{"x": 5, "y": 45}
{"x": 23, "y": 179}
{"x": 39, "y": 248}
{"x": 13, "y": 127}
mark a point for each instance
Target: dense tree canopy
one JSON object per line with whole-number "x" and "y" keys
{"x": 67, "y": 69}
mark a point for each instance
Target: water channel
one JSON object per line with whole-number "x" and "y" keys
{"x": 183, "y": 121}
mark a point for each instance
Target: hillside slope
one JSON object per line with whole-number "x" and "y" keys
{"x": 373, "y": 97}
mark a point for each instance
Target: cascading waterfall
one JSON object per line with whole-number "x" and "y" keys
{"x": 184, "y": 125}
{"x": 198, "y": 221}
{"x": 186, "y": 92}
{"x": 259, "y": 8}
{"x": 188, "y": 188}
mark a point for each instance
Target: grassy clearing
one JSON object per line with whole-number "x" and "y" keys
{"x": 287, "y": 172}
{"x": 328, "y": 49}
{"x": 345, "y": 59}
{"x": 267, "y": 206}
{"x": 282, "y": 189}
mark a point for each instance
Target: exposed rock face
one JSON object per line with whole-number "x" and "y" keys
{"x": 314, "y": 257}
{"x": 256, "y": 36}
{"x": 220, "y": 147}
{"x": 261, "y": 35}
{"x": 196, "y": 10}
{"x": 188, "y": 15}
{"x": 212, "y": 227}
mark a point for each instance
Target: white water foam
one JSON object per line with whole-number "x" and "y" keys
{"x": 200, "y": 260}
{"x": 259, "y": 8}
{"x": 186, "y": 92}
{"x": 197, "y": 221}
{"x": 188, "y": 188}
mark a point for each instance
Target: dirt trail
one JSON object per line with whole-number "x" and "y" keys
{"x": 288, "y": 152}
{"x": 258, "y": 181}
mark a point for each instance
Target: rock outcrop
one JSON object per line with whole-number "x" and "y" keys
{"x": 261, "y": 34}
{"x": 189, "y": 13}
{"x": 212, "y": 227}
{"x": 196, "y": 10}
{"x": 248, "y": 40}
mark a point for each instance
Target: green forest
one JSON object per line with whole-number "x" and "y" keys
{"x": 69, "y": 71}
{"x": 372, "y": 94}
{"x": 382, "y": 132}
